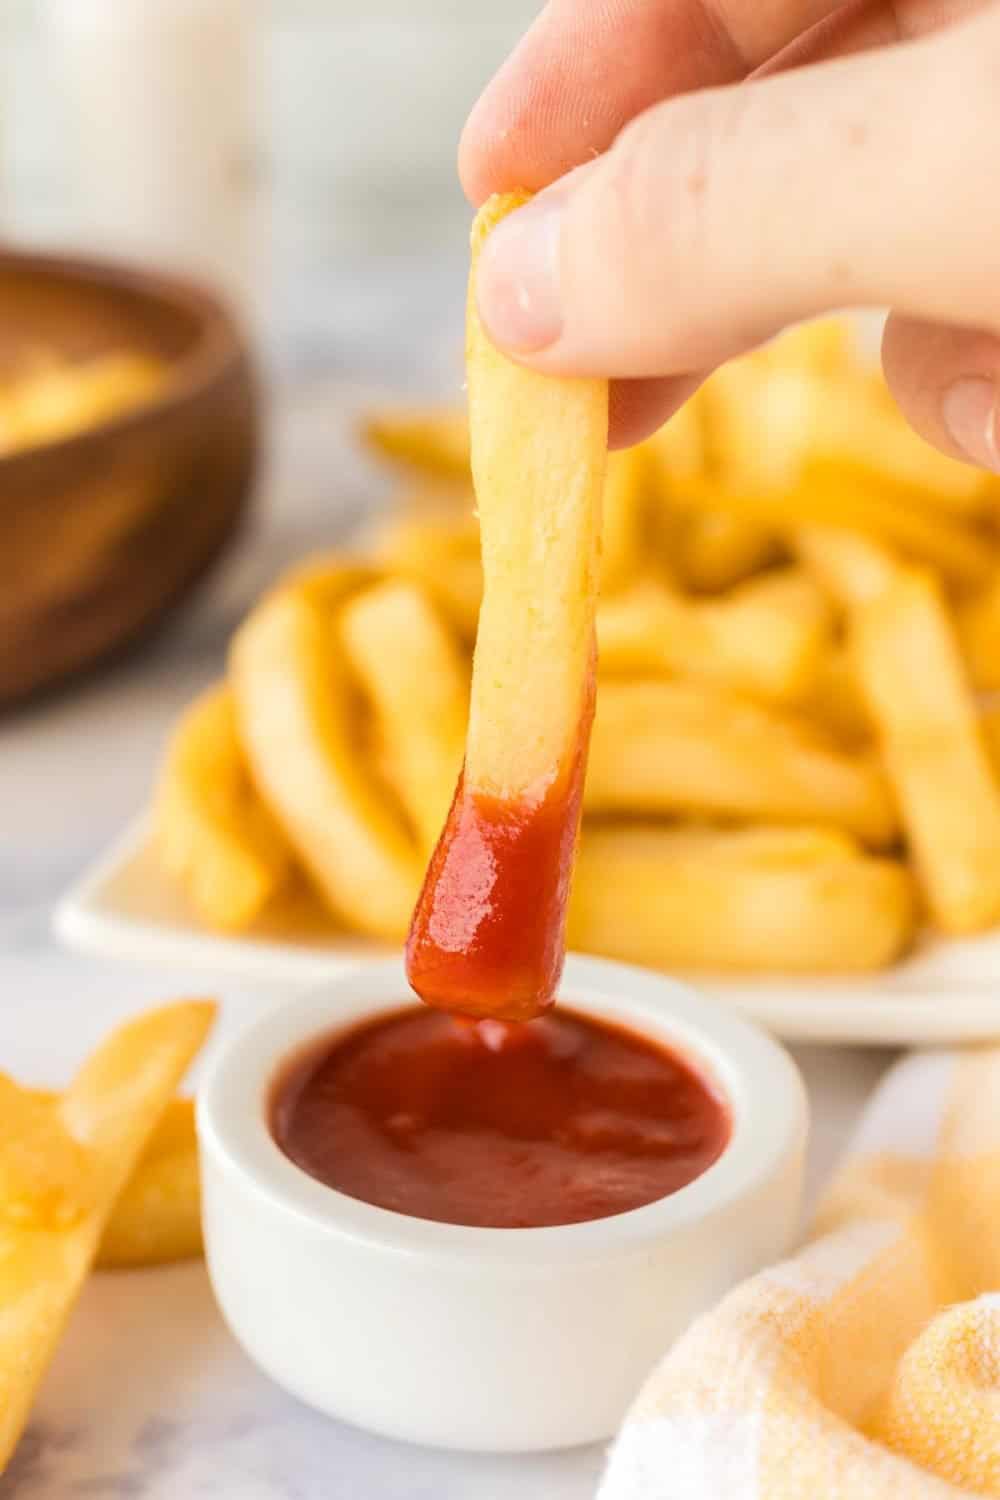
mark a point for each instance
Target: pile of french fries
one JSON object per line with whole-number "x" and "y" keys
{"x": 794, "y": 764}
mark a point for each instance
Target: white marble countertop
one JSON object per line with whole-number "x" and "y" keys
{"x": 149, "y": 1397}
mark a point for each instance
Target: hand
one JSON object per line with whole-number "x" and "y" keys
{"x": 715, "y": 217}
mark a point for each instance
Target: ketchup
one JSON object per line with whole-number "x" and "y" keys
{"x": 488, "y": 935}
{"x": 559, "y": 1121}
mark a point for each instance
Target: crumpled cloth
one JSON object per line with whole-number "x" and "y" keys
{"x": 867, "y": 1367}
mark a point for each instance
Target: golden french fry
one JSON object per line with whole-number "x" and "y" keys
{"x": 835, "y": 699}
{"x": 765, "y": 639}
{"x": 824, "y": 498}
{"x": 441, "y": 553}
{"x": 776, "y": 416}
{"x": 681, "y": 449}
{"x": 109, "y": 1112}
{"x": 214, "y": 833}
{"x": 910, "y": 666}
{"x": 296, "y": 712}
{"x": 157, "y": 1218}
{"x": 623, "y": 530}
{"x": 714, "y": 550}
{"x": 989, "y": 723}
{"x": 682, "y": 747}
{"x": 538, "y": 458}
{"x": 977, "y": 621}
{"x": 852, "y": 567}
{"x": 412, "y": 669}
{"x": 432, "y": 439}
{"x": 738, "y": 902}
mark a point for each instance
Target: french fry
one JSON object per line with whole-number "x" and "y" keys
{"x": 962, "y": 554}
{"x": 298, "y": 724}
{"x": 434, "y": 440}
{"x": 441, "y": 553}
{"x": 737, "y": 902}
{"x": 685, "y": 747}
{"x": 157, "y": 1217}
{"x": 714, "y": 550}
{"x": 989, "y": 723}
{"x": 911, "y": 669}
{"x": 852, "y": 567}
{"x": 623, "y": 530}
{"x": 835, "y": 700}
{"x": 411, "y": 668}
{"x": 681, "y": 449}
{"x": 776, "y": 416}
{"x": 110, "y": 1112}
{"x": 765, "y": 639}
{"x": 978, "y": 623}
{"x": 488, "y": 933}
{"x": 215, "y": 834}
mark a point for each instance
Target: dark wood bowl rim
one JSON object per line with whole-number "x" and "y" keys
{"x": 217, "y": 350}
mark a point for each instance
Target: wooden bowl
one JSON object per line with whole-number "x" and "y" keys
{"x": 101, "y": 532}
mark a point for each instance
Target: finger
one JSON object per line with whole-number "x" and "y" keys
{"x": 721, "y": 216}
{"x": 587, "y": 67}
{"x": 946, "y": 381}
{"x": 863, "y": 25}
{"x": 639, "y": 407}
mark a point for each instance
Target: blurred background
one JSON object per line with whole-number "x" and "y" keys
{"x": 351, "y": 118}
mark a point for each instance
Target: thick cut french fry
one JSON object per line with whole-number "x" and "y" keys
{"x": 214, "y": 832}
{"x": 823, "y": 498}
{"x": 298, "y": 721}
{"x": 738, "y": 902}
{"x": 110, "y": 1112}
{"x": 681, "y": 449}
{"x": 852, "y": 567}
{"x": 715, "y": 550}
{"x": 910, "y": 667}
{"x": 765, "y": 639}
{"x": 835, "y": 700}
{"x": 624, "y": 533}
{"x": 682, "y": 747}
{"x": 978, "y": 623}
{"x": 413, "y": 671}
{"x": 432, "y": 439}
{"x": 989, "y": 723}
{"x": 488, "y": 932}
{"x": 441, "y": 553}
{"x": 157, "y": 1217}
{"x": 774, "y": 416}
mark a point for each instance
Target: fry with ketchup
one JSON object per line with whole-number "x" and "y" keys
{"x": 488, "y": 933}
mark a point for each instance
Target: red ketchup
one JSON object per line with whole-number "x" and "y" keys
{"x": 488, "y": 934}
{"x": 507, "y": 1127}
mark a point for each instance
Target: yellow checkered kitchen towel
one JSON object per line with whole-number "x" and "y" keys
{"x": 868, "y": 1366}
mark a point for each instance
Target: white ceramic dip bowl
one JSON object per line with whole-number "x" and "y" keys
{"x": 494, "y": 1339}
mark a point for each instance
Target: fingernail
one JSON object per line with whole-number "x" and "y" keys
{"x": 969, "y": 409}
{"x": 518, "y": 278}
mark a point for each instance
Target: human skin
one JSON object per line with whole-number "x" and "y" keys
{"x": 708, "y": 171}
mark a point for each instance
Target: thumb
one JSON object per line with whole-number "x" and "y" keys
{"x": 718, "y": 217}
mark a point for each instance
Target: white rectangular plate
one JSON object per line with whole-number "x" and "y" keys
{"x": 949, "y": 991}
